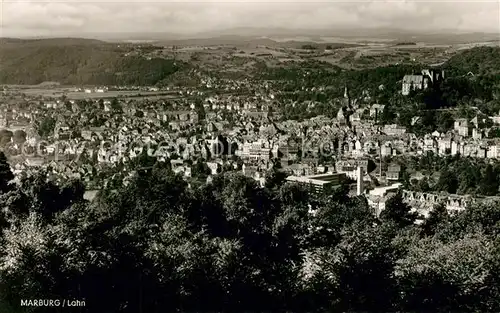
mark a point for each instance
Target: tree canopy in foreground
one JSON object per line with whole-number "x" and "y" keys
{"x": 158, "y": 246}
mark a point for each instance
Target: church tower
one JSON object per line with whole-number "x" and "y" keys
{"x": 346, "y": 102}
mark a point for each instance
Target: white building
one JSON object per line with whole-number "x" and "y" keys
{"x": 421, "y": 81}
{"x": 386, "y": 150}
{"x": 462, "y": 127}
{"x": 493, "y": 151}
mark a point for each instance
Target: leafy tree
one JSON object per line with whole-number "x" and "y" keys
{"x": 200, "y": 109}
{"x": 444, "y": 122}
{"x": 423, "y": 185}
{"x": 46, "y": 126}
{"x": 275, "y": 178}
{"x": 25, "y": 258}
{"x": 387, "y": 116}
{"x": 483, "y": 217}
{"x": 139, "y": 114}
{"x": 360, "y": 267}
{"x": 437, "y": 216}
{"x": 6, "y": 175}
{"x": 398, "y": 212}
{"x": 447, "y": 182}
{"x": 5, "y": 137}
{"x": 200, "y": 169}
{"x": 489, "y": 184}
{"x": 334, "y": 211}
{"x": 115, "y": 106}
{"x": 68, "y": 106}
{"x": 19, "y": 136}
{"x": 35, "y": 194}
{"x": 456, "y": 271}
{"x": 469, "y": 176}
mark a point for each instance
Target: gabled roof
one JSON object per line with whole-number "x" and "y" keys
{"x": 415, "y": 79}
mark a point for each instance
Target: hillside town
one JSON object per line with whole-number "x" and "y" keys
{"x": 249, "y": 156}
{"x": 201, "y": 133}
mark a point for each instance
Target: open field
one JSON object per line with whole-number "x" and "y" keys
{"x": 347, "y": 53}
{"x": 77, "y": 95}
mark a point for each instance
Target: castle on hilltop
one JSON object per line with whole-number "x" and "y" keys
{"x": 426, "y": 79}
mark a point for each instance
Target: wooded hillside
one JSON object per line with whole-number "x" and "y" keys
{"x": 78, "y": 62}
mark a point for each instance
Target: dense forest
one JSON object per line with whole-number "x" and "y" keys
{"x": 479, "y": 61}
{"x": 156, "y": 245}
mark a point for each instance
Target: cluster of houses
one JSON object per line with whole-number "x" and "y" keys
{"x": 233, "y": 131}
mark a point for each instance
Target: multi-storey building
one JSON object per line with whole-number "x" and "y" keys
{"x": 320, "y": 182}
{"x": 426, "y": 79}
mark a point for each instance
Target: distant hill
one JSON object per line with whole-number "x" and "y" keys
{"x": 436, "y": 37}
{"x": 49, "y": 41}
{"x": 75, "y": 61}
{"x": 246, "y": 41}
{"x": 450, "y": 39}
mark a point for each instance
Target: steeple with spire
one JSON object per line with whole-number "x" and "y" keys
{"x": 346, "y": 109}
{"x": 347, "y": 101}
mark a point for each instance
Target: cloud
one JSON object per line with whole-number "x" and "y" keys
{"x": 44, "y": 17}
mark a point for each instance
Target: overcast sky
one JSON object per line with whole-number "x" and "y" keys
{"x": 43, "y": 17}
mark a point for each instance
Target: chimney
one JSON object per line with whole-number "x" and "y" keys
{"x": 380, "y": 161}
{"x": 340, "y": 141}
{"x": 359, "y": 178}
